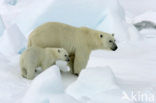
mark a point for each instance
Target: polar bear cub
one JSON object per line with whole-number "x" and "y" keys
{"x": 35, "y": 57}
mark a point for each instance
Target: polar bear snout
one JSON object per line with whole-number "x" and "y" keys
{"x": 67, "y": 59}
{"x": 114, "y": 47}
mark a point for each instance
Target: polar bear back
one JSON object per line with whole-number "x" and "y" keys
{"x": 59, "y": 35}
{"x": 50, "y": 35}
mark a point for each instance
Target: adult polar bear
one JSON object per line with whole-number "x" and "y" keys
{"x": 77, "y": 41}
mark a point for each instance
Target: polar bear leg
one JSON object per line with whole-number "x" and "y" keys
{"x": 80, "y": 62}
{"x": 23, "y": 72}
{"x": 31, "y": 72}
{"x": 71, "y": 63}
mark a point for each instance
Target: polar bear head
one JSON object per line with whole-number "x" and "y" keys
{"x": 99, "y": 40}
{"x": 62, "y": 54}
{"x": 107, "y": 41}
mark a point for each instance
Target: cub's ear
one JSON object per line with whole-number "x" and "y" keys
{"x": 113, "y": 34}
{"x": 59, "y": 50}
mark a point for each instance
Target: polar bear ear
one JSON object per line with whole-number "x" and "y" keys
{"x": 113, "y": 34}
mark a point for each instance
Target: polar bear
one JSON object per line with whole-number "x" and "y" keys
{"x": 35, "y": 57}
{"x": 77, "y": 41}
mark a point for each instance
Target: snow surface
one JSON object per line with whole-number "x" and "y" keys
{"x": 63, "y": 66}
{"x": 11, "y": 2}
{"x": 135, "y": 8}
{"x": 140, "y": 55}
{"x": 92, "y": 81}
{"x": 43, "y": 86}
{"x": 148, "y": 16}
{"x": 48, "y": 88}
{"x": 12, "y": 41}
{"x": 63, "y": 98}
{"x": 1, "y": 26}
{"x": 133, "y": 64}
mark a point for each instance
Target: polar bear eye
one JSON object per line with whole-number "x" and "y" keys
{"x": 110, "y": 41}
{"x": 101, "y": 35}
{"x": 65, "y": 55}
{"x": 58, "y": 50}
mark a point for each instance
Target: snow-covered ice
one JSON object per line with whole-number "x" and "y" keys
{"x": 112, "y": 20}
{"x": 13, "y": 86}
{"x": 92, "y": 81}
{"x": 147, "y": 16}
{"x": 27, "y": 18}
{"x": 44, "y": 85}
{"x": 12, "y": 41}
{"x": 96, "y": 85}
{"x": 111, "y": 96}
{"x": 63, "y": 98}
{"x": 63, "y": 66}
{"x": 1, "y": 26}
{"x": 108, "y": 17}
{"x": 139, "y": 55}
{"x": 11, "y": 2}
{"x": 90, "y": 87}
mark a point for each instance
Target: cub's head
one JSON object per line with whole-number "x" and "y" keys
{"x": 62, "y": 54}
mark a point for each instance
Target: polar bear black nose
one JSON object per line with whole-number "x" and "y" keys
{"x": 67, "y": 59}
{"x": 115, "y": 48}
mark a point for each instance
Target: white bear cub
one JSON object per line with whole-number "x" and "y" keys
{"x": 35, "y": 57}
